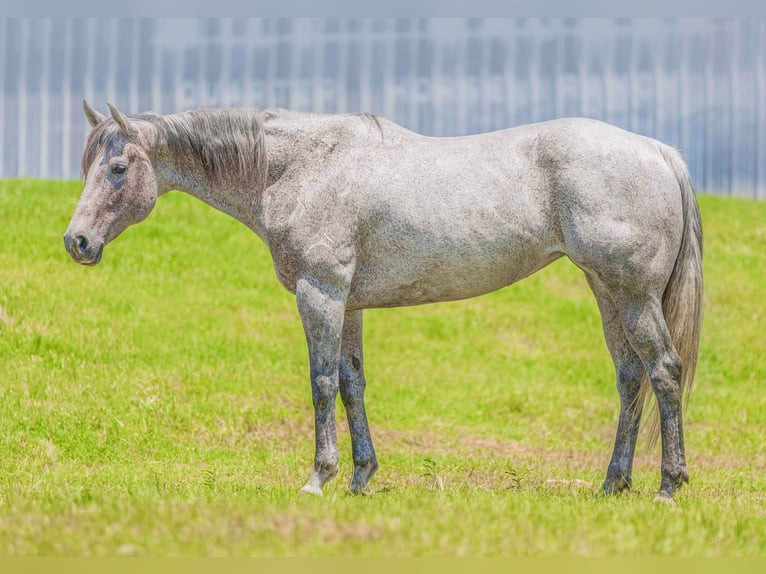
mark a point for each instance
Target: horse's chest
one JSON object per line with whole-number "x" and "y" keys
{"x": 286, "y": 265}
{"x": 323, "y": 256}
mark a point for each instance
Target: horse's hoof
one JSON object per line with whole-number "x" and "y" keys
{"x": 312, "y": 489}
{"x": 358, "y": 487}
{"x": 616, "y": 484}
{"x": 606, "y": 493}
{"x": 358, "y": 490}
{"x": 664, "y": 498}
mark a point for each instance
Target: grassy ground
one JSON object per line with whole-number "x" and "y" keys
{"x": 159, "y": 404}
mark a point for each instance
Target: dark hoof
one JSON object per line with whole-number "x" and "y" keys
{"x": 616, "y": 484}
{"x": 671, "y": 482}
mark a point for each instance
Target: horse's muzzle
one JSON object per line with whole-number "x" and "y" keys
{"x": 82, "y": 250}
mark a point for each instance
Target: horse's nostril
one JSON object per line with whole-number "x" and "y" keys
{"x": 82, "y": 242}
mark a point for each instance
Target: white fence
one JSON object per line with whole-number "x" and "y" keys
{"x": 694, "y": 83}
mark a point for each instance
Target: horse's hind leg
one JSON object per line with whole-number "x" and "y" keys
{"x": 647, "y": 332}
{"x": 352, "y": 385}
{"x": 629, "y": 371}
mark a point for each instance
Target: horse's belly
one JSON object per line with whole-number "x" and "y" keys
{"x": 403, "y": 281}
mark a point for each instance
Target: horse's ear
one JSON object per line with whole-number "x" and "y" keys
{"x": 120, "y": 119}
{"x": 94, "y": 118}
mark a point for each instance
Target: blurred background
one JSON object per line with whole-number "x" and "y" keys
{"x": 697, "y": 84}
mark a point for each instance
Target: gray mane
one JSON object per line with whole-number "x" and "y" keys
{"x": 229, "y": 144}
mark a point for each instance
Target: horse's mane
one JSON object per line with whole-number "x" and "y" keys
{"x": 228, "y": 143}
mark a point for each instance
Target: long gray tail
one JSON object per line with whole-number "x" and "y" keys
{"x": 682, "y": 300}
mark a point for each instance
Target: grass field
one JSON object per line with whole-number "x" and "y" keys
{"x": 159, "y": 404}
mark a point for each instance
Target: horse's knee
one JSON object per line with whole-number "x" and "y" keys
{"x": 352, "y": 393}
{"x": 350, "y": 366}
{"x": 324, "y": 390}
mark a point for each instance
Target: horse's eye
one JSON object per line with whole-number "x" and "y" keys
{"x": 118, "y": 169}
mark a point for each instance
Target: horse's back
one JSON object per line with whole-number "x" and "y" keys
{"x": 450, "y": 218}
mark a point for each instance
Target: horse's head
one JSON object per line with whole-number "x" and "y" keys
{"x": 120, "y": 184}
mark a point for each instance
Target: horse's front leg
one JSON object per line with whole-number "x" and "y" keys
{"x": 352, "y": 385}
{"x": 321, "y": 307}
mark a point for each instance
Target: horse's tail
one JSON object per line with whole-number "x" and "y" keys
{"x": 682, "y": 299}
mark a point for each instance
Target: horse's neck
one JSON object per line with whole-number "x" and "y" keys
{"x": 183, "y": 172}
{"x": 288, "y": 139}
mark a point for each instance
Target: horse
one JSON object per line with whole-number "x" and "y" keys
{"x": 359, "y": 212}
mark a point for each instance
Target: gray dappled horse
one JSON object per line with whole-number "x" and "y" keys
{"x": 359, "y": 212}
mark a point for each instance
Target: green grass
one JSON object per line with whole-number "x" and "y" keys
{"x": 159, "y": 404}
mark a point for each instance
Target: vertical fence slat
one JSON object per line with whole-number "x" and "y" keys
{"x": 178, "y": 78}
{"x": 44, "y": 132}
{"x": 22, "y": 87}
{"x": 760, "y": 151}
{"x": 9, "y": 81}
{"x": 3, "y": 42}
{"x": 66, "y": 104}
